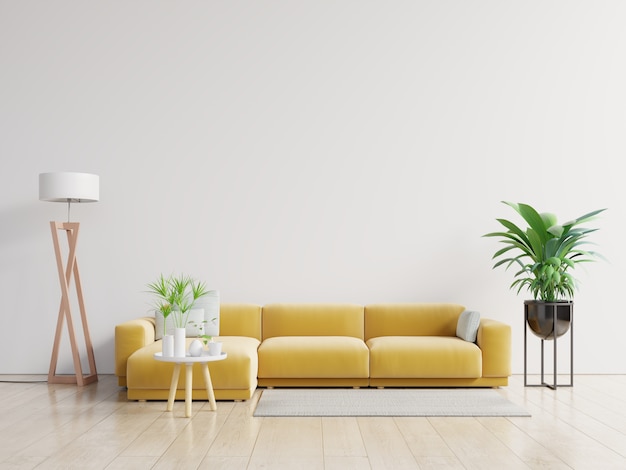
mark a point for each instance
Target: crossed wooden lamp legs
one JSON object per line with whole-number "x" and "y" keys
{"x": 65, "y": 277}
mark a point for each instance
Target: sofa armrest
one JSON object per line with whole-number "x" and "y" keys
{"x": 129, "y": 337}
{"x": 494, "y": 340}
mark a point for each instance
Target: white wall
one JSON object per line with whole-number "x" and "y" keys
{"x": 348, "y": 151}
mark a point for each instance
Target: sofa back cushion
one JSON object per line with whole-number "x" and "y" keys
{"x": 411, "y": 319}
{"x": 240, "y": 320}
{"x": 312, "y": 320}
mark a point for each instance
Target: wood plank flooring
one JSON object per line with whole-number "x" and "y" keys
{"x": 66, "y": 427}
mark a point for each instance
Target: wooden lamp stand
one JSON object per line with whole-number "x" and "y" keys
{"x": 68, "y": 187}
{"x": 65, "y": 314}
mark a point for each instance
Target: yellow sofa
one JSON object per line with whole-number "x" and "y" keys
{"x": 325, "y": 345}
{"x": 234, "y": 378}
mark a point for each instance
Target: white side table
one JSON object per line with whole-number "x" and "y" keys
{"x": 188, "y": 362}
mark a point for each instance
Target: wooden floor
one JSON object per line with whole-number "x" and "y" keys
{"x": 62, "y": 426}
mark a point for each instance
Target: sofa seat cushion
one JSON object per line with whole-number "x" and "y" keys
{"x": 237, "y": 372}
{"x": 424, "y": 357}
{"x": 313, "y": 357}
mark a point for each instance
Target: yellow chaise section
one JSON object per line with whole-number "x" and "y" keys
{"x": 234, "y": 378}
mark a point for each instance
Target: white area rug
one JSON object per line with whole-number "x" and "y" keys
{"x": 385, "y": 402}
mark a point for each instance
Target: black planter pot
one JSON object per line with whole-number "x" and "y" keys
{"x": 540, "y": 317}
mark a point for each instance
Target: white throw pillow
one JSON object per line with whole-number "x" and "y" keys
{"x": 467, "y": 326}
{"x": 211, "y": 305}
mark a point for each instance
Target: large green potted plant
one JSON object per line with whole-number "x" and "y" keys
{"x": 545, "y": 254}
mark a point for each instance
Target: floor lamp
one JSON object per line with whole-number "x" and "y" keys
{"x": 69, "y": 187}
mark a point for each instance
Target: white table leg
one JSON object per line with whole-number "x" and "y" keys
{"x": 188, "y": 363}
{"x": 173, "y": 387}
{"x": 188, "y": 388}
{"x": 209, "y": 387}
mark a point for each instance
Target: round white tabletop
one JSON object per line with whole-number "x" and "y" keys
{"x": 190, "y": 359}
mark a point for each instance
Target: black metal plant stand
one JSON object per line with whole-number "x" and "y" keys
{"x": 543, "y": 383}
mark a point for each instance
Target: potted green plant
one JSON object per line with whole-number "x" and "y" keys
{"x": 545, "y": 253}
{"x": 176, "y": 296}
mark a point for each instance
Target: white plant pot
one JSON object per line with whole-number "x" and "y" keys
{"x": 180, "y": 340}
{"x": 167, "y": 348}
{"x": 215, "y": 348}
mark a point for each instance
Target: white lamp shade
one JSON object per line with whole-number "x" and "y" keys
{"x": 69, "y": 187}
